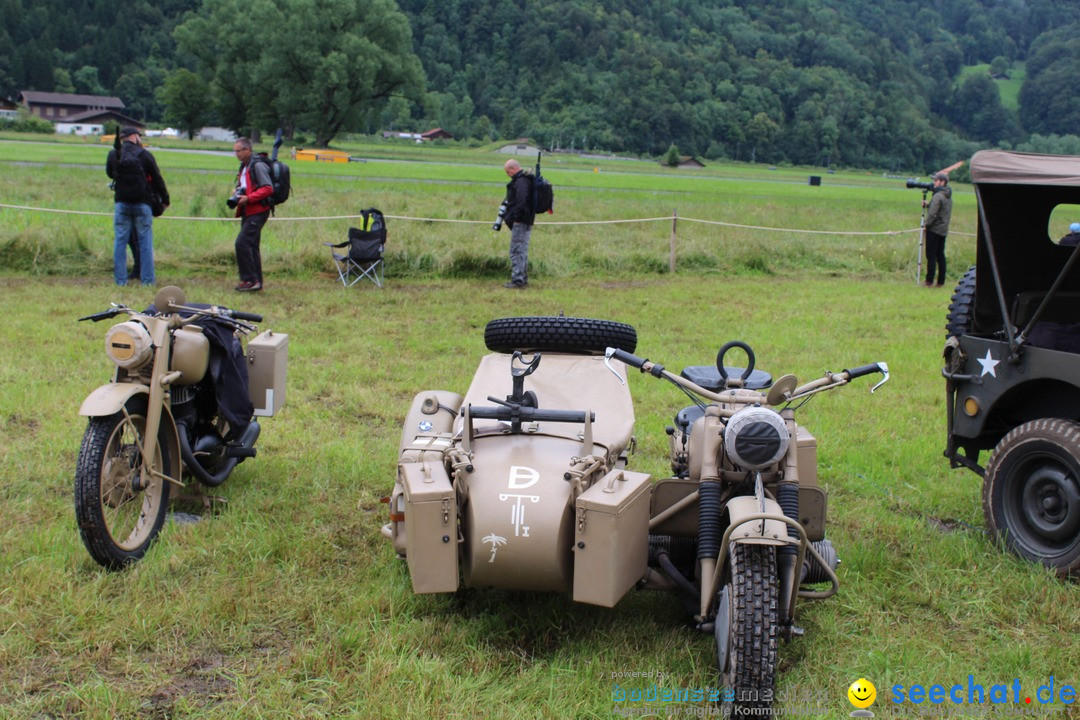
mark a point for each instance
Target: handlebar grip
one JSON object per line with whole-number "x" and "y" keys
{"x": 864, "y": 370}
{"x": 250, "y": 317}
{"x": 626, "y": 358}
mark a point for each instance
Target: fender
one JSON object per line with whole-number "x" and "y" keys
{"x": 756, "y": 532}
{"x": 109, "y": 399}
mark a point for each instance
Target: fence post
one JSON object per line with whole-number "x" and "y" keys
{"x": 671, "y": 251}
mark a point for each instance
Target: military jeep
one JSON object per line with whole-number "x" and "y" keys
{"x": 1012, "y": 356}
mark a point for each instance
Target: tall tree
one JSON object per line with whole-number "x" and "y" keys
{"x": 316, "y": 64}
{"x": 185, "y": 97}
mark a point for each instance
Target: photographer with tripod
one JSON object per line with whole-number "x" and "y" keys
{"x": 936, "y": 227}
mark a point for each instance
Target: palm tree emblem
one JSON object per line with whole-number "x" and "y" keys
{"x": 496, "y": 541}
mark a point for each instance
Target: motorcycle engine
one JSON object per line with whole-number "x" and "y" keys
{"x": 756, "y": 438}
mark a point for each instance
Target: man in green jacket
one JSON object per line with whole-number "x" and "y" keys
{"x": 938, "y": 214}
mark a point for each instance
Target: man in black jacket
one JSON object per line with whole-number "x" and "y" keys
{"x": 135, "y": 174}
{"x": 519, "y": 218}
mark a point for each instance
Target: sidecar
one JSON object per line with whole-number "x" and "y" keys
{"x": 523, "y": 483}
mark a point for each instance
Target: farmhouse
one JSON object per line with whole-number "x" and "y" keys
{"x": 76, "y": 111}
{"x": 8, "y": 108}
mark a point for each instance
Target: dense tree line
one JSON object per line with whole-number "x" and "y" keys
{"x": 873, "y": 83}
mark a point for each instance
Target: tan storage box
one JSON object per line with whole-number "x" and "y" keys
{"x": 431, "y": 546}
{"x": 611, "y": 537}
{"x": 268, "y": 362}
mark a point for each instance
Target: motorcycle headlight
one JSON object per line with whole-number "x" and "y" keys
{"x": 128, "y": 345}
{"x": 756, "y": 438}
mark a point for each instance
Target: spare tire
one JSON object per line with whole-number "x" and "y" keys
{"x": 962, "y": 306}
{"x": 558, "y": 334}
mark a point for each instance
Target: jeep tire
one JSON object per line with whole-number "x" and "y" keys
{"x": 1031, "y": 493}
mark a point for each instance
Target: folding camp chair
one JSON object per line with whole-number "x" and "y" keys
{"x": 364, "y": 258}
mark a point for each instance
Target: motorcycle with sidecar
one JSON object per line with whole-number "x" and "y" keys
{"x": 523, "y": 483}
{"x": 184, "y": 398}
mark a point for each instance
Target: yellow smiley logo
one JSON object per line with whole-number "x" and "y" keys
{"x": 862, "y": 693}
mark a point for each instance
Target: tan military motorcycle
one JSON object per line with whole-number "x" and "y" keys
{"x": 184, "y": 395}
{"x": 523, "y": 484}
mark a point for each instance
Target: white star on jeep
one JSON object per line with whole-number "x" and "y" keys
{"x": 988, "y": 364}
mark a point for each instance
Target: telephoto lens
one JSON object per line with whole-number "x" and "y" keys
{"x": 499, "y": 217}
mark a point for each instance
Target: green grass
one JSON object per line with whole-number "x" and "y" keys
{"x": 1009, "y": 87}
{"x": 286, "y": 602}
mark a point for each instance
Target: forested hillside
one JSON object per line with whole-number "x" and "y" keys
{"x": 872, "y": 83}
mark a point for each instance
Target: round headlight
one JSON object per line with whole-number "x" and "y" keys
{"x": 128, "y": 345}
{"x": 756, "y": 437}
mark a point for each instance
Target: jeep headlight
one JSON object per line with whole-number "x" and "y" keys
{"x": 128, "y": 345}
{"x": 756, "y": 438}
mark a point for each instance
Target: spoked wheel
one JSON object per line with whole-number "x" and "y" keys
{"x": 119, "y": 510}
{"x": 1031, "y": 493}
{"x": 746, "y": 630}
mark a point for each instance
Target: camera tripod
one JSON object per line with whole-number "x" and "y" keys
{"x": 921, "y": 250}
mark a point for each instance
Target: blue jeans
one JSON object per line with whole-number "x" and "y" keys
{"x": 125, "y": 216}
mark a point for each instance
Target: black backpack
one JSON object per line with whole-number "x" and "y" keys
{"x": 543, "y": 194}
{"x": 132, "y": 185}
{"x": 279, "y": 177}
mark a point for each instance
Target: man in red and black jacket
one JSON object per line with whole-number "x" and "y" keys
{"x": 253, "y": 190}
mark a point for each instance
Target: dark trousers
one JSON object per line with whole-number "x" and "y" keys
{"x": 935, "y": 256}
{"x": 133, "y": 243}
{"x": 248, "y": 258}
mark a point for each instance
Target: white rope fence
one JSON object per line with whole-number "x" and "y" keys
{"x": 323, "y": 218}
{"x": 673, "y": 218}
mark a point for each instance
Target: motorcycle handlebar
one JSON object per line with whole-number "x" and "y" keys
{"x": 632, "y": 360}
{"x": 864, "y": 370}
{"x": 250, "y": 317}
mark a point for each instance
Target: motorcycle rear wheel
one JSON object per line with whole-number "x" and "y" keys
{"x": 119, "y": 513}
{"x": 748, "y": 635}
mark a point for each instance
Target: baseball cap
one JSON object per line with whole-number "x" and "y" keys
{"x": 1075, "y": 227}
{"x": 129, "y": 130}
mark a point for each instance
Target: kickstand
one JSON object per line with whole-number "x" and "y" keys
{"x": 198, "y": 496}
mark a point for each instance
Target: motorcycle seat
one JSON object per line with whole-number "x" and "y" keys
{"x": 708, "y": 377}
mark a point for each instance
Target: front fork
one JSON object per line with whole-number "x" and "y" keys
{"x": 790, "y": 553}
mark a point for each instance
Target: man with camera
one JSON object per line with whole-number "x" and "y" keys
{"x": 252, "y": 203}
{"x": 517, "y": 212}
{"x": 938, "y": 214}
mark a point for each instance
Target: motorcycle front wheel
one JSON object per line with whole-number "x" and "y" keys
{"x": 119, "y": 511}
{"x": 746, "y": 630}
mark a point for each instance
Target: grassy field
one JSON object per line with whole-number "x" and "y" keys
{"x": 286, "y": 602}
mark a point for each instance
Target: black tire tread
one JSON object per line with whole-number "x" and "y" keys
{"x": 558, "y": 334}
{"x": 960, "y": 317}
{"x": 88, "y": 515}
{"x": 754, "y": 625}
{"x": 1064, "y": 433}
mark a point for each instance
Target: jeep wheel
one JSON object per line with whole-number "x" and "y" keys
{"x": 558, "y": 334}
{"x": 745, "y": 630}
{"x": 961, "y": 306}
{"x": 1031, "y": 493}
